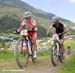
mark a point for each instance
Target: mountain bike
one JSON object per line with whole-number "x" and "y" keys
{"x": 55, "y": 51}
{"x": 24, "y": 49}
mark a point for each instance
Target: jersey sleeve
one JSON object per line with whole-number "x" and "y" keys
{"x": 51, "y": 26}
{"x": 65, "y": 26}
{"x": 34, "y": 24}
{"x": 23, "y": 23}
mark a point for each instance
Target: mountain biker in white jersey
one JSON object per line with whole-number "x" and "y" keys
{"x": 29, "y": 23}
{"x": 60, "y": 28}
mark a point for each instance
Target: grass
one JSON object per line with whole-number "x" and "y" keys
{"x": 69, "y": 66}
{"x": 6, "y": 56}
{"x": 43, "y": 53}
{"x": 9, "y": 55}
{"x": 70, "y": 43}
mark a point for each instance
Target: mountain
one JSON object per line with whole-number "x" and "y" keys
{"x": 11, "y": 13}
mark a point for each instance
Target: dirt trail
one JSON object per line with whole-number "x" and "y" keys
{"x": 42, "y": 66}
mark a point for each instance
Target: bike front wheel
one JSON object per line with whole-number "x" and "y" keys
{"x": 55, "y": 54}
{"x": 22, "y": 54}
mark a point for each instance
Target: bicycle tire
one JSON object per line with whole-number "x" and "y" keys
{"x": 52, "y": 54}
{"x": 18, "y": 54}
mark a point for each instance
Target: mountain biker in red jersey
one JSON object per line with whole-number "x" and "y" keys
{"x": 29, "y": 23}
{"x": 60, "y": 28}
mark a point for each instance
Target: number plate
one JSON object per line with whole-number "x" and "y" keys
{"x": 24, "y": 32}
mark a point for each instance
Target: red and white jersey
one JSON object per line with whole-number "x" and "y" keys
{"x": 29, "y": 25}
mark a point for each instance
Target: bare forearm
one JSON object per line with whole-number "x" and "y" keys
{"x": 48, "y": 31}
{"x": 67, "y": 28}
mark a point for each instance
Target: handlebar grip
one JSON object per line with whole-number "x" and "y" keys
{"x": 16, "y": 32}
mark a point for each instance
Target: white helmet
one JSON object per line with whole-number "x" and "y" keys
{"x": 27, "y": 14}
{"x": 55, "y": 18}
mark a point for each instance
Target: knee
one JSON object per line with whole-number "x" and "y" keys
{"x": 34, "y": 41}
{"x": 62, "y": 42}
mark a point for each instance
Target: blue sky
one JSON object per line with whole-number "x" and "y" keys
{"x": 62, "y": 8}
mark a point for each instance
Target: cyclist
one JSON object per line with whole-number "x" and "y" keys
{"x": 59, "y": 29}
{"x": 68, "y": 50}
{"x": 29, "y": 23}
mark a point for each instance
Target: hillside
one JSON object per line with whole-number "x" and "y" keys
{"x": 11, "y": 13}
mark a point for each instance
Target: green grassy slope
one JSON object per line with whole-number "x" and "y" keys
{"x": 11, "y": 13}
{"x": 68, "y": 66}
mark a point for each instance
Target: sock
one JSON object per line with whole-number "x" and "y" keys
{"x": 34, "y": 52}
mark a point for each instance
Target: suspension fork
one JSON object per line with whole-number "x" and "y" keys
{"x": 29, "y": 45}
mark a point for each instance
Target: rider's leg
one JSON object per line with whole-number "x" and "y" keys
{"x": 34, "y": 38}
{"x": 62, "y": 46}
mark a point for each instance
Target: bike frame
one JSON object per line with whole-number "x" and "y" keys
{"x": 28, "y": 43}
{"x": 56, "y": 40}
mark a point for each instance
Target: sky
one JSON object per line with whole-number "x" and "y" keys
{"x": 62, "y": 8}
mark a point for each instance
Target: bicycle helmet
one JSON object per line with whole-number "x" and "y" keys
{"x": 55, "y": 18}
{"x": 27, "y": 14}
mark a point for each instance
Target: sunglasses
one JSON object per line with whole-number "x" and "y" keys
{"x": 28, "y": 18}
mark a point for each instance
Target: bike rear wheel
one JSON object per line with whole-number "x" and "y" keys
{"x": 22, "y": 53}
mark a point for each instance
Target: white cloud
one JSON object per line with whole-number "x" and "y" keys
{"x": 72, "y": 1}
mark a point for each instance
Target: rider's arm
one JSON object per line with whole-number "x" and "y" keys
{"x": 21, "y": 26}
{"x": 48, "y": 30}
{"x": 35, "y": 26}
{"x": 66, "y": 28}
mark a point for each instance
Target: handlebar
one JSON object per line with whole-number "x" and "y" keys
{"x": 58, "y": 34}
{"x": 31, "y": 31}
{"x": 18, "y": 32}
{"x": 62, "y": 33}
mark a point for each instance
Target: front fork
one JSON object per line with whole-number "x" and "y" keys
{"x": 58, "y": 49}
{"x": 29, "y": 47}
